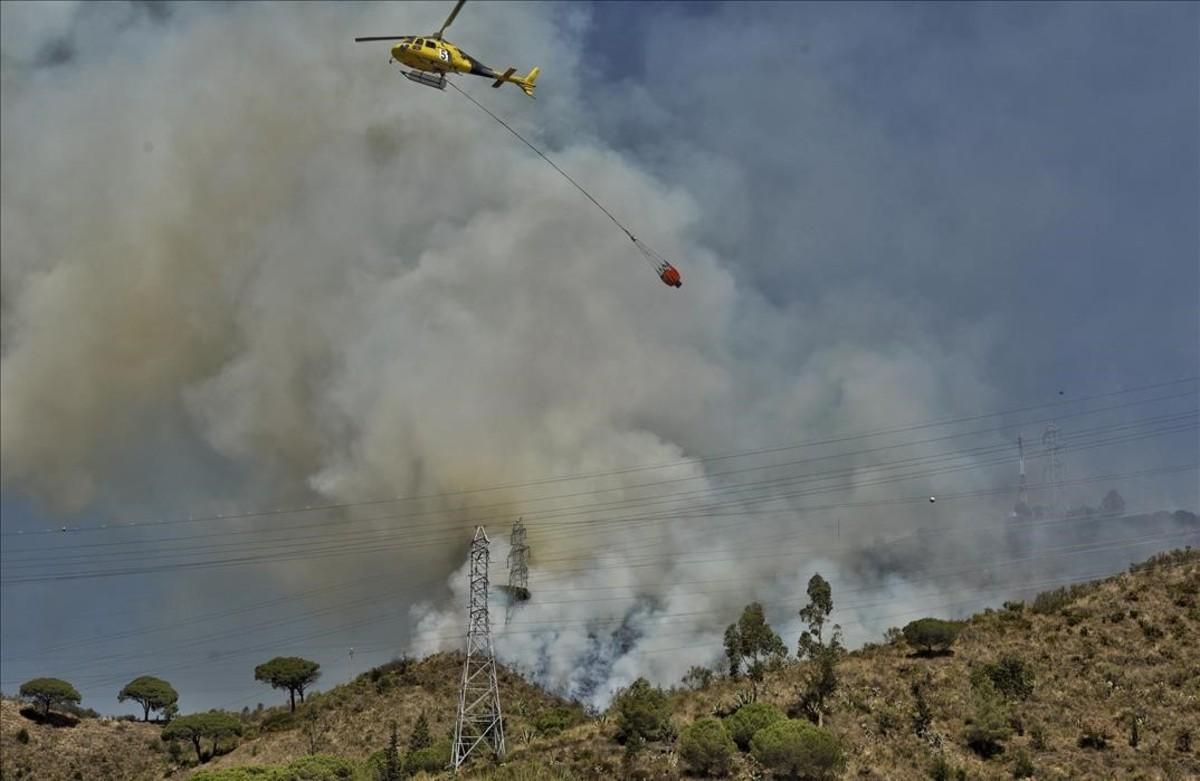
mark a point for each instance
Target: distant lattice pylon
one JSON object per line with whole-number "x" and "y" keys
{"x": 518, "y": 569}
{"x": 479, "y": 719}
{"x": 1052, "y": 469}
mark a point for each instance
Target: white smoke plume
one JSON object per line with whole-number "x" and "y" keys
{"x": 236, "y": 223}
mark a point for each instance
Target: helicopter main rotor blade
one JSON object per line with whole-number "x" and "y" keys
{"x": 449, "y": 19}
{"x": 381, "y": 38}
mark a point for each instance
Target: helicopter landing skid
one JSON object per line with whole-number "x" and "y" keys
{"x": 428, "y": 79}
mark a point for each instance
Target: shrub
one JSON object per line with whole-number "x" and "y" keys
{"x": 23, "y": 735}
{"x": 749, "y": 719}
{"x": 1051, "y": 601}
{"x": 706, "y": 748}
{"x": 643, "y": 713}
{"x": 1037, "y": 737}
{"x": 930, "y": 634}
{"x": 1010, "y": 676}
{"x": 432, "y": 760}
{"x": 989, "y": 725}
{"x": 922, "y": 713}
{"x": 798, "y": 748}
{"x": 1094, "y": 736}
{"x": 252, "y": 773}
{"x": 555, "y": 720}
{"x": 319, "y": 767}
{"x": 279, "y": 720}
{"x": 698, "y": 678}
{"x": 1023, "y": 765}
{"x": 887, "y": 720}
{"x": 944, "y": 771}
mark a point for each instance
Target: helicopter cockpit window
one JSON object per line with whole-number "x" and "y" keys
{"x": 417, "y": 42}
{"x": 430, "y": 45}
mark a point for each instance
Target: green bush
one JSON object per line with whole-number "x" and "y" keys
{"x": 278, "y": 721}
{"x": 749, "y": 719}
{"x": 794, "y": 748}
{"x": 706, "y": 748}
{"x": 432, "y": 759}
{"x": 1010, "y": 676}
{"x": 249, "y": 773}
{"x": 931, "y": 634}
{"x": 643, "y": 713}
{"x": 319, "y": 767}
{"x": 944, "y": 771}
{"x": 1023, "y": 765}
{"x": 553, "y": 721}
{"x": 989, "y": 726}
{"x": 23, "y": 735}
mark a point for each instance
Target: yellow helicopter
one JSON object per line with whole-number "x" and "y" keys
{"x": 431, "y": 58}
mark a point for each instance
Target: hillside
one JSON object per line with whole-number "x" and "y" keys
{"x": 1106, "y": 687}
{"x": 86, "y": 749}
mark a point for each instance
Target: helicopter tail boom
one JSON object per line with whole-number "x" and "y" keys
{"x": 503, "y": 77}
{"x": 526, "y": 82}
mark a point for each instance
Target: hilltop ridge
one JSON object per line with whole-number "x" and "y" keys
{"x": 1106, "y": 687}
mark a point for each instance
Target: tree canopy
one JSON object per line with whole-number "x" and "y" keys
{"x": 752, "y": 640}
{"x": 706, "y": 748}
{"x": 643, "y": 713}
{"x": 798, "y": 749}
{"x": 1113, "y": 503}
{"x": 48, "y": 692}
{"x": 289, "y": 672}
{"x": 930, "y": 634}
{"x": 815, "y": 613}
{"x": 149, "y": 692}
{"x": 820, "y": 678}
{"x": 213, "y": 725}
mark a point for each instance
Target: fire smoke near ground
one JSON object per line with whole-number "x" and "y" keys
{"x": 234, "y": 225}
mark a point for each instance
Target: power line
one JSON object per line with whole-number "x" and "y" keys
{"x": 588, "y": 475}
{"x": 352, "y": 547}
{"x": 275, "y": 644}
{"x": 740, "y": 557}
{"x": 290, "y": 532}
{"x": 302, "y": 551}
{"x": 942, "y": 529}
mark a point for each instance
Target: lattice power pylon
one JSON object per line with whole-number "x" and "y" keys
{"x": 1052, "y": 470}
{"x": 1022, "y": 489}
{"x": 479, "y": 719}
{"x": 518, "y": 569}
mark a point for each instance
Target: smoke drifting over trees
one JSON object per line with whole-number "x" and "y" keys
{"x": 243, "y": 259}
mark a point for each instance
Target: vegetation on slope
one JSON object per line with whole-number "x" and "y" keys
{"x": 1092, "y": 681}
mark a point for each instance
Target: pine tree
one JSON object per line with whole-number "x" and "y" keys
{"x": 391, "y": 758}
{"x": 420, "y": 735}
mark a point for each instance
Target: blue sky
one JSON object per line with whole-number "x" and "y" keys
{"x": 347, "y": 288}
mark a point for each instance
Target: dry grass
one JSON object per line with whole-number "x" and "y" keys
{"x": 1121, "y": 651}
{"x": 353, "y": 721}
{"x": 91, "y": 749}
